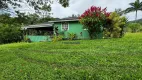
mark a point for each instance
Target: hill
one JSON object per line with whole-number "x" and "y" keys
{"x": 108, "y": 59}
{"x": 138, "y": 21}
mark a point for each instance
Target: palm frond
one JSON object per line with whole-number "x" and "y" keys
{"x": 130, "y": 9}
{"x": 140, "y": 6}
{"x": 132, "y": 4}
{"x": 138, "y": 1}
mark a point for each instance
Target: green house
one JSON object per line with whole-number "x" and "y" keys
{"x": 64, "y": 27}
{"x": 71, "y": 26}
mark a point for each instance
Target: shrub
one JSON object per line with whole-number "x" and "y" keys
{"x": 72, "y": 36}
{"x": 134, "y": 27}
{"x": 114, "y": 26}
{"x": 106, "y": 33}
{"x": 28, "y": 40}
{"x": 93, "y": 19}
{"x": 141, "y": 29}
{"x": 10, "y": 33}
{"x": 57, "y": 38}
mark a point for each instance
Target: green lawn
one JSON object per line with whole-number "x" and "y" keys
{"x": 102, "y": 59}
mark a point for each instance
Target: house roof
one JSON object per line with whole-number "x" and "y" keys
{"x": 38, "y": 25}
{"x": 65, "y": 20}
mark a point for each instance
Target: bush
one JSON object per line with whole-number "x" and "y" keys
{"x": 141, "y": 29}
{"x": 57, "y": 38}
{"x": 72, "y": 36}
{"x": 10, "y": 33}
{"x": 114, "y": 26}
{"x": 93, "y": 19}
{"x": 27, "y": 39}
{"x": 134, "y": 27}
{"x": 106, "y": 33}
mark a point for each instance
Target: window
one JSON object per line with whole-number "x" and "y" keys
{"x": 65, "y": 26}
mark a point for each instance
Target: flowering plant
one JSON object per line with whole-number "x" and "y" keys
{"x": 93, "y": 19}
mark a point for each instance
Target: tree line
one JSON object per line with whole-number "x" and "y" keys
{"x": 10, "y": 27}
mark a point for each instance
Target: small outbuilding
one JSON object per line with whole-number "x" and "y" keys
{"x": 39, "y": 32}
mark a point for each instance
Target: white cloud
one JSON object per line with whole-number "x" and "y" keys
{"x": 79, "y": 6}
{"x": 59, "y": 11}
{"x": 25, "y": 8}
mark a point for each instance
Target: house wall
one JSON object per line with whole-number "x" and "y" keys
{"x": 38, "y": 38}
{"x": 39, "y": 34}
{"x": 74, "y": 27}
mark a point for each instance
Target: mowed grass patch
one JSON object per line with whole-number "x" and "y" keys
{"x": 101, "y": 59}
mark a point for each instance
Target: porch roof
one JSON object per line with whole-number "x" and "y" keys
{"x": 38, "y": 25}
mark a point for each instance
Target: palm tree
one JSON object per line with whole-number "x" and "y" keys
{"x": 137, "y": 5}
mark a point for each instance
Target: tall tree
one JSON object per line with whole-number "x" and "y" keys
{"x": 33, "y": 18}
{"x": 36, "y": 4}
{"x": 6, "y": 19}
{"x": 21, "y": 18}
{"x": 135, "y": 6}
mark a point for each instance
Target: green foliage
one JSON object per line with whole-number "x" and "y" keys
{"x": 28, "y": 40}
{"x": 10, "y": 26}
{"x": 93, "y": 19}
{"x": 30, "y": 19}
{"x": 9, "y": 29}
{"x": 6, "y": 19}
{"x": 134, "y": 6}
{"x": 140, "y": 22}
{"x": 115, "y": 26}
{"x": 33, "y": 19}
{"x": 45, "y": 19}
{"x": 36, "y": 4}
{"x": 72, "y": 36}
{"x": 114, "y": 59}
{"x": 10, "y": 33}
{"x": 57, "y": 38}
{"x": 134, "y": 27}
{"x": 106, "y": 33}
{"x": 21, "y": 18}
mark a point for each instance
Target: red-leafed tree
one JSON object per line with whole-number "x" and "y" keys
{"x": 94, "y": 19}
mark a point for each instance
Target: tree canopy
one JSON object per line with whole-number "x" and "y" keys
{"x": 135, "y": 6}
{"x": 36, "y": 4}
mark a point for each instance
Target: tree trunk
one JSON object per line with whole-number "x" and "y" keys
{"x": 136, "y": 16}
{"x": 90, "y": 34}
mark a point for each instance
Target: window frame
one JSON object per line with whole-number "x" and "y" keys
{"x": 63, "y": 25}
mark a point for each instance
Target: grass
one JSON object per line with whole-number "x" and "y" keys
{"x": 102, "y": 59}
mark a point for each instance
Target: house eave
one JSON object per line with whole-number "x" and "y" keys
{"x": 64, "y": 20}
